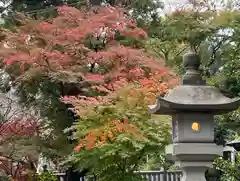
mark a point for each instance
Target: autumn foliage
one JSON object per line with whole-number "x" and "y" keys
{"x": 114, "y": 136}
{"x": 98, "y": 137}
{"x": 84, "y": 44}
{"x": 15, "y": 129}
{"x": 100, "y": 51}
{"x": 22, "y": 127}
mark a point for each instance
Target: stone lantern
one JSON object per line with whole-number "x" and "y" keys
{"x": 235, "y": 144}
{"x": 229, "y": 153}
{"x": 192, "y": 106}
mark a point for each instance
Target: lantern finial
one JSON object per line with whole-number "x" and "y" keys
{"x": 191, "y": 63}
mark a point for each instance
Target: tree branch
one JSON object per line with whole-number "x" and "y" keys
{"x": 215, "y": 49}
{"x": 137, "y": 161}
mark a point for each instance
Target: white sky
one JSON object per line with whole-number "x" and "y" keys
{"x": 174, "y": 3}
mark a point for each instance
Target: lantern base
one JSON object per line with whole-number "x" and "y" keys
{"x": 193, "y": 158}
{"x": 194, "y": 171}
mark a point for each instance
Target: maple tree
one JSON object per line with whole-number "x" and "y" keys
{"x": 85, "y": 43}
{"x": 80, "y": 52}
{"x": 116, "y": 134}
{"x": 84, "y": 57}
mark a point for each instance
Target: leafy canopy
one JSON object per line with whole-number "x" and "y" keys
{"x": 84, "y": 55}
{"x": 116, "y": 136}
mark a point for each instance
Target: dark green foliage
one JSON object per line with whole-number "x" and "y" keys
{"x": 57, "y": 114}
{"x": 36, "y": 9}
{"x": 3, "y": 178}
{"x": 34, "y": 6}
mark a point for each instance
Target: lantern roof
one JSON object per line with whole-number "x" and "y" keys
{"x": 235, "y": 144}
{"x": 193, "y": 95}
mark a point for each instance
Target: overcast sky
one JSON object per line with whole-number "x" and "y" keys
{"x": 174, "y": 2}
